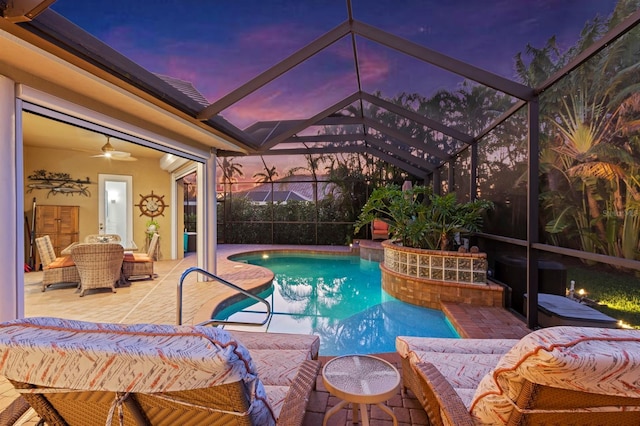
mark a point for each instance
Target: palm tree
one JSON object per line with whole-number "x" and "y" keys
{"x": 586, "y": 159}
{"x": 267, "y": 175}
{"x": 230, "y": 170}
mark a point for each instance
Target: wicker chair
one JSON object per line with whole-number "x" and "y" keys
{"x": 141, "y": 264}
{"x": 102, "y": 238}
{"x": 99, "y": 265}
{"x": 556, "y": 375}
{"x": 14, "y": 411}
{"x": 56, "y": 269}
{"x": 82, "y": 373}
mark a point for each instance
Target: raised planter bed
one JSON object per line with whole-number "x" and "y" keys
{"x": 426, "y": 277}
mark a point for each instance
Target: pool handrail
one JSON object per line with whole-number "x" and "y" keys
{"x": 228, "y": 284}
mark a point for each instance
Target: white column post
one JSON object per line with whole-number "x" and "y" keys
{"x": 12, "y": 239}
{"x": 207, "y": 223}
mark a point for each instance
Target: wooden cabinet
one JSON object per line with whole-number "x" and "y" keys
{"x": 60, "y": 223}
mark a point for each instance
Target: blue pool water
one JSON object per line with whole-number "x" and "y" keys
{"x": 338, "y": 298}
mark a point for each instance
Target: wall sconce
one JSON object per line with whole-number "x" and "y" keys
{"x": 113, "y": 196}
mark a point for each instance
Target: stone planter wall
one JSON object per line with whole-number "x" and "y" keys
{"x": 426, "y": 277}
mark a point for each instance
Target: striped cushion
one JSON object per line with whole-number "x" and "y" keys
{"x": 145, "y": 358}
{"x": 602, "y": 360}
{"x": 405, "y": 345}
{"x": 461, "y": 370}
{"x": 279, "y": 341}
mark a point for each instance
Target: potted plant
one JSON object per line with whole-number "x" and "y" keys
{"x": 421, "y": 219}
{"x": 419, "y": 265}
{"x": 152, "y": 227}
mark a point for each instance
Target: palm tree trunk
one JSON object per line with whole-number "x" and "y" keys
{"x": 594, "y": 212}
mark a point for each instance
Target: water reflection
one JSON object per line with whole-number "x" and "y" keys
{"x": 375, "y": 329}
{"x": 340, "y": 299}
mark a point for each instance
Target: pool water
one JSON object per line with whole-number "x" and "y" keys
{"x": 338, "y": 298}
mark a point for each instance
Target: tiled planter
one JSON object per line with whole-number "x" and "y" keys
{"x": 426, "y": 277}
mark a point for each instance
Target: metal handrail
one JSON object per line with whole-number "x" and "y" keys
{"x": 228, "y": 284}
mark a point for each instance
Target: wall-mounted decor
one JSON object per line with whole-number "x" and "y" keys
{"x": 152, "y": 205}
{"x": 58, "y": 183}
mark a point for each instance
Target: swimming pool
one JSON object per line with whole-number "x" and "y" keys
{"x": 338, "y": 298}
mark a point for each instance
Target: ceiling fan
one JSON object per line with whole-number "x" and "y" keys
{"x": 108, "y": 151}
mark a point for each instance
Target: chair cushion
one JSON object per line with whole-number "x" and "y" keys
{"x": 602, "y": 360}
{"x": 276, "y": 396}
{"x": 461, "y": 370}
{"x": 61, "y": 262}
{"x": 144, "y": 358}
{"x": 279, "y": 367}
{"x": 380, "y": 225}
{"x": 136, "y": 257}
{"x": 407, "y": 344}
{"x": 279, "y": 341}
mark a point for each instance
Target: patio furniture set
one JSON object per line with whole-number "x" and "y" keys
{"x": 102, "y": 261}
{"x": 73, "y": 372}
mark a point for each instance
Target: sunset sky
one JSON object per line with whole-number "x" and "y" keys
{"x": 219, "y": 45}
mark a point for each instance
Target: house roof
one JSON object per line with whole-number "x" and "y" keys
{"x": 59, "y": 36}
{"x": 185, "y": 87}
{"x": 271, "y": 196}
{"x": 296, "y": 187}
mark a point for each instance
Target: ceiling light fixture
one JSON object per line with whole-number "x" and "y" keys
{"x": 110, "y": 152}
{"x": 108, "y": 148}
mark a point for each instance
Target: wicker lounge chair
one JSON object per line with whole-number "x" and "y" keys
{"x": 556, "y": 375}
{"x": 141, "y": 264}
{"x": 81, "y": 373}
{"x": 99, "y": 265}
{"x": 55, "y": 269}
{"x": 10, "y": 415}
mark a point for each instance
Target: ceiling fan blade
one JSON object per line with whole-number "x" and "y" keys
{"x": 116, "y": 157}
{"x": 127, "y": 158}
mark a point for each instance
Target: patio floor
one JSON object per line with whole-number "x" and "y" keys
{"x": 153, "y": 301}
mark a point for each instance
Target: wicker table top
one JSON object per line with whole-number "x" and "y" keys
{"x": 130, "y": 246}
{"x": 361, "y": 379}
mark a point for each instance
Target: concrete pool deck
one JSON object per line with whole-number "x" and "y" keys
{"x": 154, "y": 301}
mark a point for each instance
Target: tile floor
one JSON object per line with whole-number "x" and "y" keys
{"x": 154, "y": 301}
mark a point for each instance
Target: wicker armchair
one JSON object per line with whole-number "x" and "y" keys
{"x": 140, "y": 264}
{"x": 102, "y": 238}
{"x": 56, "y": 269}
{"x": 556, "y": 375}
{"x": 99, "y": 265}
{"x": 147, "y": 374}
{"x": 379, "y": 230}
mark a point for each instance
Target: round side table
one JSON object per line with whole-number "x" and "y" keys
{"x": 360, "y": 380}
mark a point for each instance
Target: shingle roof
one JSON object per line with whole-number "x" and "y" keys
{"x": 185, "y": 87}
{"x": 289, "y": 188}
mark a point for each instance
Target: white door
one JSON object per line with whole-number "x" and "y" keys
{"x": 115, "y": 206}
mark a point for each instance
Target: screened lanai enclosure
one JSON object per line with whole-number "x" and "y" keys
{"x": 534, "y": 106}
{"x": 572, "y": 208}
